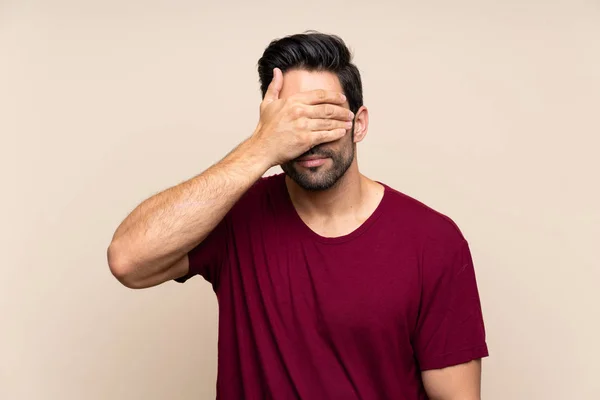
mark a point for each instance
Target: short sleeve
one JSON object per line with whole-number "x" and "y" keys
{"x": 450, "y": 328}
{"x": 207, "y": 258}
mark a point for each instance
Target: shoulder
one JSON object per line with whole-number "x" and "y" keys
{"x": 420, "y": 221}
{"x": 266, "y": 186}
{"x": 264, "y": 191}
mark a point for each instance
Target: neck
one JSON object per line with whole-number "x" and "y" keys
{"x": 344, "y": 197}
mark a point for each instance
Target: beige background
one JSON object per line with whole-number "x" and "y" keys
{"x": 486, "y": 110}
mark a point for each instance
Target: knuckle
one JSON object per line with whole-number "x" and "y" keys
{"x": 321, "y": 94}
{"x": 305, "y": 141}
{"x": 329, "y": 111}
{"x": 297, "y": 111}
{"x": 301, "y": 123}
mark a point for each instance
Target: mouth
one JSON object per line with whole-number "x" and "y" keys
{"x": 311, "y": 161}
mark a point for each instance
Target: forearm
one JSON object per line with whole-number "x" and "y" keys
{"x": 165, "y": 227}
{"x": 151, "y": 244}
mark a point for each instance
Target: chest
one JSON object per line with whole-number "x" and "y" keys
{"x": 369, "y": 284}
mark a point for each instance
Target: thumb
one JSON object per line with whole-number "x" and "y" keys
{"x": 275, "y": 86}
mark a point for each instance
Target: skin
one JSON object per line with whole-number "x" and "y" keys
{"x": 343, "y": 207}
{"x": 303, "y": 114}
{"x": 151, "y": 245}
{"x": 459, "y": 382}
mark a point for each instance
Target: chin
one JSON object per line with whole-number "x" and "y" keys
{"x": 313, "y": 179}
{"x": 316, "y": 186}
{"x": 319, "y": 178}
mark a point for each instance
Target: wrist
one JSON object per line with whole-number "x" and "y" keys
{"x": 252, "y": 157}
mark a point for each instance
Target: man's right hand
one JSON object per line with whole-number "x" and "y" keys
{"x": 290, "y": 127}
{"x": 151, "y": 245}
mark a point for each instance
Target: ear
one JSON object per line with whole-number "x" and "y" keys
{"x": 361, "y": 124}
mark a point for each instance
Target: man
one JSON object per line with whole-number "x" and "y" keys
{"x": 330, "y": 285}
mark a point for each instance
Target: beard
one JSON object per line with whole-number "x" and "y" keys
{"x": 324, "y": 176}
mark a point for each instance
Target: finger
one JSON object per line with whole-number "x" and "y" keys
{"x": 317, "y": 125}
{"x": 275, "y": 86}
{"x": 323, "y": 111}
{"x": 328, "y": 136}
{"x": 321, "y": 96}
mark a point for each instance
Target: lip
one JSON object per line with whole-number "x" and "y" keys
{"x": 308, "y": 158}
{"x": 312, "y": 161}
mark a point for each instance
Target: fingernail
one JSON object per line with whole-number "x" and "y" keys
{"x": 349, "y": 125}
{"x": 343, "y": 98}
{"x": 351, "y": 115}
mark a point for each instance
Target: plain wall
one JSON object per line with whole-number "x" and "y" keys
{"x": 488, "y": 111}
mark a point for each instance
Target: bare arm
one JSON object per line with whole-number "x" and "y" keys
{"x": 459, "y": 382}
{"x": 151, "y": 245}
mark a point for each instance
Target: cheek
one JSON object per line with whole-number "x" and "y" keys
{"x": 344, "y": 142}
{"x": 348, "y": 142}
{"x": 343, "y": 150}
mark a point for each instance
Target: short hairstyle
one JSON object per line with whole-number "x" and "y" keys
{"x": 313, "y": 51}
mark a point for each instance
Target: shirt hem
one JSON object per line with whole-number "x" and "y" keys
{"x": 456, "y": 358}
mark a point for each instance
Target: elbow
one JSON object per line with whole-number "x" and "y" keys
{"x": 121, "y": 267}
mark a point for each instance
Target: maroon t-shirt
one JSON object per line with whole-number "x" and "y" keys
{"x": 359, "y": 316}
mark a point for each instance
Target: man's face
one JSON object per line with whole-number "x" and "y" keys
{"x": 322, "y": 166}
